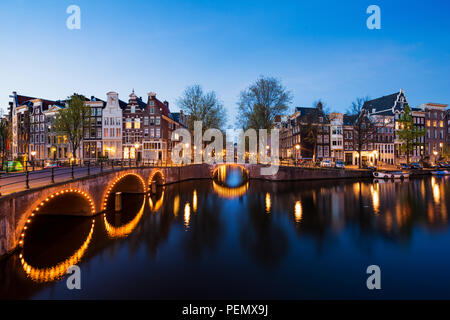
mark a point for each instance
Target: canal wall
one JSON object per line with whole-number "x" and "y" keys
{"x": 17, "y": 209}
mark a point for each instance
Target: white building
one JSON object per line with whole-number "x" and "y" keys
{"x": 112, "y": 126}
{"x": 337, "y": 136}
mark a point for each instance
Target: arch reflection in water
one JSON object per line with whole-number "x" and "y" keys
{"x": 230, "y": 181}
{"x": 126, "y": 229}
{"x": 59, "y": 270}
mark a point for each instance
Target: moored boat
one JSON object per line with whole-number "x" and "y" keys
{"x": 391, "y": 174}
{"x": 440, "y": 172}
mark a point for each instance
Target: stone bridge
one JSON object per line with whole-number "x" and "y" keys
{"x": 94, "y": 194}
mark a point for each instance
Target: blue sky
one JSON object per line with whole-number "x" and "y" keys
{"x": 319, "y": 49}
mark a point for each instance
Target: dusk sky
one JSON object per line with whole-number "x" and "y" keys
{"x": 318, "y": 49}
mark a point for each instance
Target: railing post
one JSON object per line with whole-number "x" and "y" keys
{"x": 53, "y": 175}
{"x": 27, "y": 182}
{"x": 73, "y": 177}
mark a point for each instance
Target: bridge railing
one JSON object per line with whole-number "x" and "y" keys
{"x": 31, "y": 177}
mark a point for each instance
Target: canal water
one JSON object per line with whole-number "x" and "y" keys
{"x": 256, "y": 240}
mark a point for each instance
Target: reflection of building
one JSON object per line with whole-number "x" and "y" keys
{"x": 112, "y": 126}
{"x": 92, "y": 133}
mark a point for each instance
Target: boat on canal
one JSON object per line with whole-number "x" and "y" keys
{"x": 391, "y": 174}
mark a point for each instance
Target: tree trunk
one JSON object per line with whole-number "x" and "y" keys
{"x": 359, "y": 158}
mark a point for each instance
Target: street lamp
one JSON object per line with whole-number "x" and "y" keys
{"x": 136, "y": 147}
{"x": 54, "y": 152}
{"x": 435, "y": 156}
{"x": 297, "y": 148}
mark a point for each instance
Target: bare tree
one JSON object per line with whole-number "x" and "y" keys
{"x": 357, "y": 105}
{"x": 364, "y": 130}
{"x": 200, "y": 106}
{"x": 261, "y": 102}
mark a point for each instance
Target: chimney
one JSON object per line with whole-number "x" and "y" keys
{"x": 166, "y": 103}
{"x": 152, "y": 95}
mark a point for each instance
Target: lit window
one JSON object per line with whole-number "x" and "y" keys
{"x": 128, "y": 123}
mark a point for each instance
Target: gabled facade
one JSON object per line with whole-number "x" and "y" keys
{"x": 112, "y": 126}
{"x": 92, "y": 133}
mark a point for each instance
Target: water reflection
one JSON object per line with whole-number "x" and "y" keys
{"x": 234, "y": 247}
{"x": 231, "y": 176}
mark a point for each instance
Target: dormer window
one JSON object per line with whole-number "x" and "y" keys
{"x": 152, "y": 103}
{"x": 133, "y": 109}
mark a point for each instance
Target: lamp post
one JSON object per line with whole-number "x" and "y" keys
{"x": 33, "y": 154}
{"x": 297, "y": 148}
{"x": 435, "y": 156}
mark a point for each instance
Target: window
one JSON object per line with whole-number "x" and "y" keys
{"x": 128, "y": 123}
{"x": 152, "y": 104}
{"x": 42, "y": 138}
{"x": 42, "y": 127}
{"x": 152, "y": 132}
{"x": 152, "y": 110}
{"x": 117, "y": 132}
{"x": 105, "y": 132}
{"x": 137, "y": 123}
{"x": 146, "y": 132}
{"x": 133, "y": 109}
{"x": 146, "y": 121}
{"x": 152, "y": 121}
{"x": 99, "y": 132}
{"x": 42, "y": 118}
{"x": 158, "y": 121}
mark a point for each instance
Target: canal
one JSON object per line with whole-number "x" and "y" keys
{"x": 231, "y": 238}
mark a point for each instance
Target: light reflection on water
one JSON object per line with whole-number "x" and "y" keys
{"x": 194, "y": 240}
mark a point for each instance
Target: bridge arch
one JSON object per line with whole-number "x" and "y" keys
{"x": 224, "y": 165}
{"x": 156, "y": 176}
{"x": 56, "y": 201}
{"x": 116, "y": 184}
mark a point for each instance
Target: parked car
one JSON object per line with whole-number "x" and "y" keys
{"x": 443, "y": 165}
{"x": 339, "y": 164}
{"x": 325, "y": 164}
{"x": 405, "y": 166}
{"x": 416, "y": 165}
{"x": 12, "y": 166}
